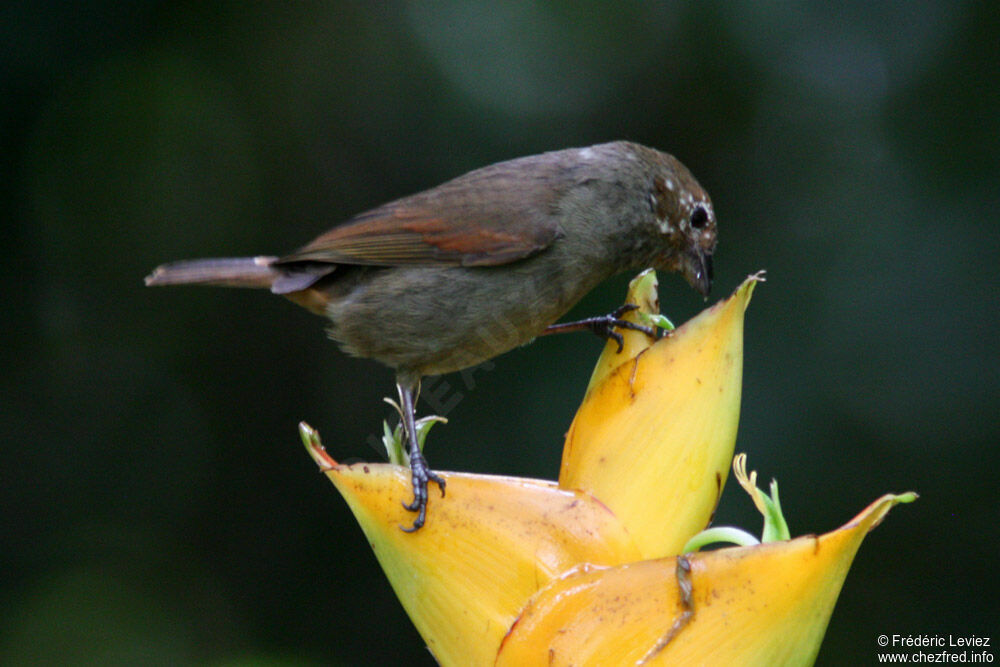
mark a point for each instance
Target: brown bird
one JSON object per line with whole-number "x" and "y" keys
{"x": 453, "y": 276}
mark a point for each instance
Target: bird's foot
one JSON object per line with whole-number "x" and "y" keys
{"x": 605, "y": 325}
{"x": 422, "y": 476}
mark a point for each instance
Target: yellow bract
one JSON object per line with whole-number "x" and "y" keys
{"x": 654, "y": 437}
{"x": 485, "y": 549}
{"x": 762, "y": 605}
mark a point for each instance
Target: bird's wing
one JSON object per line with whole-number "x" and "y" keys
{"x": 487, "y": 217}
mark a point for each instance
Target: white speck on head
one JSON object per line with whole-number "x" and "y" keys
{"x": 669, "y": 184}
{"x": 586, "y": 153}
{"x": 664, "y": 226}
{"x": 687, "y": 204}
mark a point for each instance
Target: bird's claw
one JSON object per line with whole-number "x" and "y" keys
{"x": 605, "y": 326}
{"x": 422, "y": 476}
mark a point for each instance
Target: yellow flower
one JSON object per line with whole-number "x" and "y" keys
{"x": 586, "y": 571}
{"x": 654, "y": 436}
{"x": 488, "y": 546}
{"x": 767, "y": 604}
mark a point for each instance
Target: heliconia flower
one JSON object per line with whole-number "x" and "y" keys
{"x": 655, "y": 433}
{"x": 520, "y": 571}
{"x": 767, "y": 604}
{"x": 486, "y": 548}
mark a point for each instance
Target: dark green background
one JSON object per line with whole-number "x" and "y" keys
{"x": 157, "y": 506}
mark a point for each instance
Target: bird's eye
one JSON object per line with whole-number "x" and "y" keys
{"x": 699, "y": 218}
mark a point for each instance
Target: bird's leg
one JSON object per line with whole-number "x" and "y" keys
{"x": 604, "y": 326}
{"x": 422, "y": 475}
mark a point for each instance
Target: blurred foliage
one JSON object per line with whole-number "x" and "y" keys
{"x": 157, "y": 505}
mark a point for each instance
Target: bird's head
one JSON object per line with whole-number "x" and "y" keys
{"x": 685, "y": 223}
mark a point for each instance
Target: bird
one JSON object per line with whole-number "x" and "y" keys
{"x": 455, "y": 275}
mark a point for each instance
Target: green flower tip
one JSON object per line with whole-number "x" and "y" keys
{"x": 643, "y": 290}
{"x": 393, "y": 438}
{"x": 726, "y": 534}
{"x": 893, "y": 500}
{"x": 657, "y": 321}
{"x": 775, "y": 527}
{"x": 310, "y": 438}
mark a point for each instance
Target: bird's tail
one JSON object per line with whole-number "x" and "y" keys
{"x": 227, "y": 271}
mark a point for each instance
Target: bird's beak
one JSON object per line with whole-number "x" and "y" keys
{"x": 698, "y": 271}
